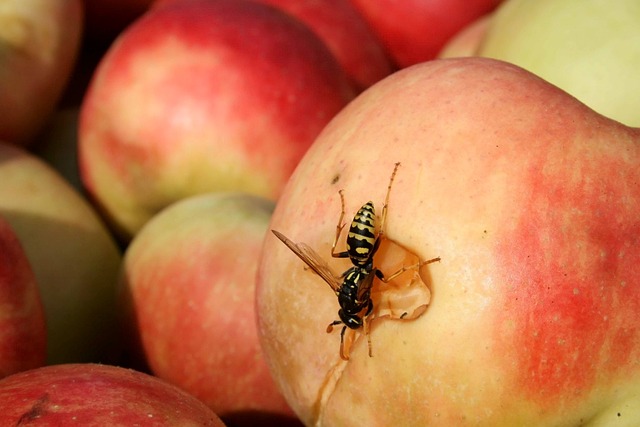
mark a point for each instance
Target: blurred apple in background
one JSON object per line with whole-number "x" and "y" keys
{"x": 589, "y": 48}
{"x": 467, "y": 41}
{"x": 200, "y": 96}
{"x": 346, "y": 34}
{"x": 73, "y": 255}
{"x": 23, "y": 336}
{"x": 531, "y": 200}
{"x": 188, "y": 287}
{"x": 39, "y": 41}
{"x": 414, "y": 31}
{"x": 97, "y": 396}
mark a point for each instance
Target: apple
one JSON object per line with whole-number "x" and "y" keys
{"x": 97, "y": 395}
{"x": 344, "y": 31}
{"x": 530, "y": 199}
{"x": 414, "y": 31}
{"x": 200, "y": 96}
{"x": 39, "y": 42}
{"x": 74, "y": 257}
{"x": 466, "y": 42}
{"x": 23, "y": 338}
{"x": 187, "y": 289}
{"x": 590, "y": 49}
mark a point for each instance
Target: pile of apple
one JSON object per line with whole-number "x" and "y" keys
{"x": 147, "y": 148}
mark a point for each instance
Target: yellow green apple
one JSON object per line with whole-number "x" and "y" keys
{"x": 74, "y": 257}
{"x": 530, "y": 199}
{"x": 589, "y": 48}
{"x": 187, "y": 292}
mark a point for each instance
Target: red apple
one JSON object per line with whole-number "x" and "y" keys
{"x": 531, "y": 200}
{"x": 97, "y": 395}
{"x": 23, "y": 336}
{"x": 73, "y": 256}
{"x": 40, "y": 40}
{"x": 200, "y": 96}
{"x": 414, "y": 31}
{"x": 344, "y": 31}
{"x": 188, "y": 286}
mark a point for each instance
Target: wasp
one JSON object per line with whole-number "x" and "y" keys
{"x": 353, "y": 287}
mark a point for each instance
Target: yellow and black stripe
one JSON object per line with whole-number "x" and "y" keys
{"x": 362, "y": 235}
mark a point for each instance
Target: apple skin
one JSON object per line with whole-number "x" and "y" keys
{"x": 187, "y": 291}
{"x": 97, "y": 395}
{"x": 346, "y": 34}
{"x": 426, "y": 25}
{"x": 530, "y": 199}
{"x": 23, "y": 336}
{"x": 188, "y": 100}
{"x": 73, "y": 255}
{"x": 467, "y": 41}
{"x": 590, "y": 49}
{"x": 39, "y": 42}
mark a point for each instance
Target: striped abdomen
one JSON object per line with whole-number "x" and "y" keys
{"x": 362, "y": 235}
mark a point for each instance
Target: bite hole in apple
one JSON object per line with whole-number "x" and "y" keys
{"x": 406, "y": 296}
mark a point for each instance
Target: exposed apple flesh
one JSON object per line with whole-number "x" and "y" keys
{"x": 529, "y": 197}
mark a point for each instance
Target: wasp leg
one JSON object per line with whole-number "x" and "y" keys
{"x": 339, "y": 228}
{"x": 344, "y": 328}
{"x": 343, "y": 356}
{"x": 332, "y": 324}
{"x": 387, "y": 279}
{"x": 365, "y": 324}
{"x": 386, "y": 200}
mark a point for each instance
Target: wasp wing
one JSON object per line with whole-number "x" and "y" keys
{"x": 364, "y": 287}
{"x": 312, "y": 259}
